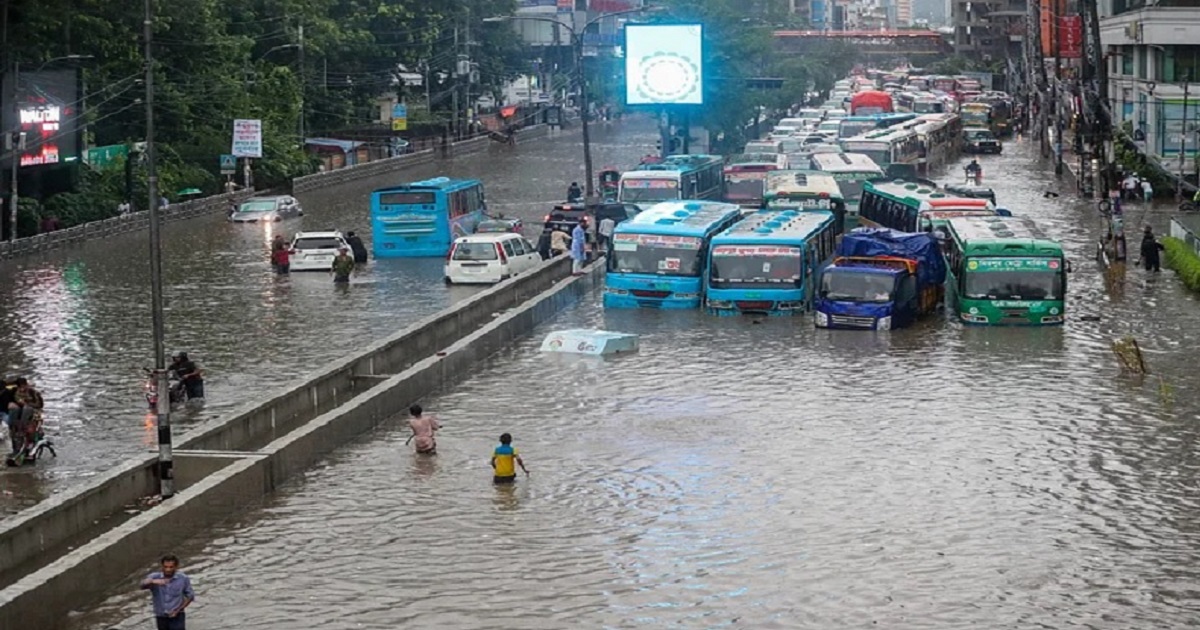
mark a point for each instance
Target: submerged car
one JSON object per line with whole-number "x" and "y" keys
{"x": 267, "y": 209}
{"x": 499, "y": 225}
{"x": 981, "y": 141}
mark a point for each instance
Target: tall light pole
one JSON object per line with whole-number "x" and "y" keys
{"x": 1183, "y": 134}
{"x": 166, "y": 470}
{"x": 14, "y": 196}
{"x": 580, "y": 80}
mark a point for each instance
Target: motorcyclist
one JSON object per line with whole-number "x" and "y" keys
{"x": 24, "y": 413}
{"x": 188, "y": 374}
{"x": 574, "y": 193}
{"x": 973, "y": 169}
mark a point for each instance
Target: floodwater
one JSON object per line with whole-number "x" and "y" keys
{"x": 761, "y": 474}
{"x": 77, "y": 322}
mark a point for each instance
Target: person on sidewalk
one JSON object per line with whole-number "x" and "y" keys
{"x": 1147, "y": 191}
{"x": 170, "y": 593}
{"x": 1130, "y": 187}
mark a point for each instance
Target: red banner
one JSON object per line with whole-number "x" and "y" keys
{"x": 1070, "y": 37}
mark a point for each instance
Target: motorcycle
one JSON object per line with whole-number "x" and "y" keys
{"x": 31, "y": 450}
{"x": 176, "y": 390}
{"x": 974, "y": 176}
{"x": 1189, "y": 206}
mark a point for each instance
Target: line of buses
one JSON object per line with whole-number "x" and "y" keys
{"x": 686, "y": 254}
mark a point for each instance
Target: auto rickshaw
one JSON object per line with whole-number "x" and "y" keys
{"x": 610, "y": 181}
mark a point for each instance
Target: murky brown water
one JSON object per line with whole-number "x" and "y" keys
{"x": 761, "y": 475}
{"x": 78, "y": 322}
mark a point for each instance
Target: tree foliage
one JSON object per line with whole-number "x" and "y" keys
{"x": 217, "y": 60}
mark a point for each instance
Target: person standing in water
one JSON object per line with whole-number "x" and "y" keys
{"x": 343, "y": 266}
{"x": 424, "y": 429}
{"x": 505, "y": 460}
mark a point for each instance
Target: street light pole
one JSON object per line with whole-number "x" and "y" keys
{"x": 166, "y": 472}
{"x": 583, "y": 117}
{"x": 14, "y": 197}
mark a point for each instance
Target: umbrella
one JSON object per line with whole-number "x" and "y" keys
{"x": 189, "y": 191}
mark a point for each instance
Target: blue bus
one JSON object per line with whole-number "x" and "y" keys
{"x": 423, "y": 218}
{"x": 657, "y": 257}
{"x": 769, "y": 263}
{"x": 851, "y": 126}
{"x": 676, "y": 177}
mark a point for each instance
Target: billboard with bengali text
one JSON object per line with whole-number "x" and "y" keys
{"x": 664, "y": 64}
{"x": 1070, "y": 37}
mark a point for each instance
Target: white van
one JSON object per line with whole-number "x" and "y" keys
{"x": 489, "y": 258}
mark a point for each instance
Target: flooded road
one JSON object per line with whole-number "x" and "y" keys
{"x": 78, "y": 322}
{"x": 762, "y": 474}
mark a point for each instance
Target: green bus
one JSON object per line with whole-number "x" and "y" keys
{"x": 1005, "y": 270}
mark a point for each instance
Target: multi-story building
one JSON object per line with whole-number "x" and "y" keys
{"x": 988, "y": 29}
{"x": 1153, "y": 54}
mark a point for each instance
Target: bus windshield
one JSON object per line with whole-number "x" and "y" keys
{"x": 857, "y": 287}
{"x": 649, "y": 190}
{"x": 756, "y": 266}
{"x": 656, "y": 254}
{"x": 852, "y": 185}
{"x": 1014, "y": 279}
{"x": 851, "y": 128}
{"x": 744, "y": 188}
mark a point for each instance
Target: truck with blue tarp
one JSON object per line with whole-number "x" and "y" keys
{"x": 881, "y": 279}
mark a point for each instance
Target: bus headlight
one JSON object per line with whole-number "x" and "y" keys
{"x": 884, "y": 323}
{"x": 822, "y": 320}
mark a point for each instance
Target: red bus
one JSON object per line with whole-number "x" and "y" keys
{"x": 869, "y": 102}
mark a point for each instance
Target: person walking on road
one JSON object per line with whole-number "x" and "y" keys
{"x": 505, "y": 460}
{"x": 1150, "y": 251}
{"x": 1147, "y": 190}
{"x": 558, "y": 242}
{"x": 343, "y": 266}
{"x": 170, "y": 593}
{"x": 281, "y": 255}
{"x": 424, "y": 429}
{"x": 578, "y": 252}
{"x": 607, "y": 225}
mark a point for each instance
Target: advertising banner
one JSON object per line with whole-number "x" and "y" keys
{"x": 1070, "y": 37}
{"x": 247, "y": 138}
{"x": 46, "y": 112}
{"x": 664, "y": 64}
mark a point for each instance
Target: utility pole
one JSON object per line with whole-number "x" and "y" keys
{"x": 303, "y": 81}
{"x": 1183, "y": 134}
{"x": 584, "y": 115}
{"x": 454, "y": 90}
{"x": 166, "y": 472}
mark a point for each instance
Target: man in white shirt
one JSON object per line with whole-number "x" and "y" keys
{"x": 607, "y": 225}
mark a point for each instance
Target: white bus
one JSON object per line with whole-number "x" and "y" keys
{"x": 850, "y": 171}
{"x": 896, "y": 151}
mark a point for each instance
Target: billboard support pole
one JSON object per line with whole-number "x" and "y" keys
{"x": 14, "y": 196}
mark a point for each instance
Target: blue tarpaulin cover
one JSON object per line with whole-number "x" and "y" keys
{"x": 921, "y": 246}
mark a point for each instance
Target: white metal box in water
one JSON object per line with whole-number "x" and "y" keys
{"x": 594, "y": 342}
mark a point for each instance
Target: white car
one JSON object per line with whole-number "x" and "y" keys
{"x": 489, "y": 258}
{"x": 829, "y": 129}
{"x": 314, "y": 251}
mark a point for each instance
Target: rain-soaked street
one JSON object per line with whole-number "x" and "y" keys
{"x": 733, "y": 473}
{"x": 78, "y": 321}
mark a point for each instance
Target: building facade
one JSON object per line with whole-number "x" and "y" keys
{"x": 1153, "y": 55}
{"x": 988, "y": 29}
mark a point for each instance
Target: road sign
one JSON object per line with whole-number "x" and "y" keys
{"x": 228, "y": 164}
{"x": 103, "y": 157}
{"x": 247, "y": 138}
{"x": 399, "y": 117}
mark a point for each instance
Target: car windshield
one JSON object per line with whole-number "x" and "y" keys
{"x": 493, "y": 226}
{"x": 756, "y": 266}
{"x": 655, "y": 254}
{"x": 317, "y": 242}
{"x": 474, "y": 251}
{"x": 1014, "y": 279}
{"x": 257, "y": 206}
{"x": 845, "y": 286}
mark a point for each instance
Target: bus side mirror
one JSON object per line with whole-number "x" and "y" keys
{"x": 1069, "y": 268}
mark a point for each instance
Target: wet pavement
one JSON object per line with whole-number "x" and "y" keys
{"x": 77, "y": 322}
{"x": 762, "y": 474}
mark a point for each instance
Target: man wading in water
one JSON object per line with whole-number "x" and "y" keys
{"x": 423, "y": 429}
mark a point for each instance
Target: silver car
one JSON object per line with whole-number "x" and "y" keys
{"x": 267, "y": 209}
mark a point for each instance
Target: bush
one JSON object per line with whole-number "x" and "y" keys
{"x": 1181, "y": 258}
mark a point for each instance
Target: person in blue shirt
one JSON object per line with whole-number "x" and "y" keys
{"x": 171, "y": 593}
{"x": 578, "y": 240}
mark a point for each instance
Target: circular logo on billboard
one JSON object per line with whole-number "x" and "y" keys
{"x": 973, "y": 265}
{"x": 668, "y": 77}
{"x": 1053, "y": 264}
